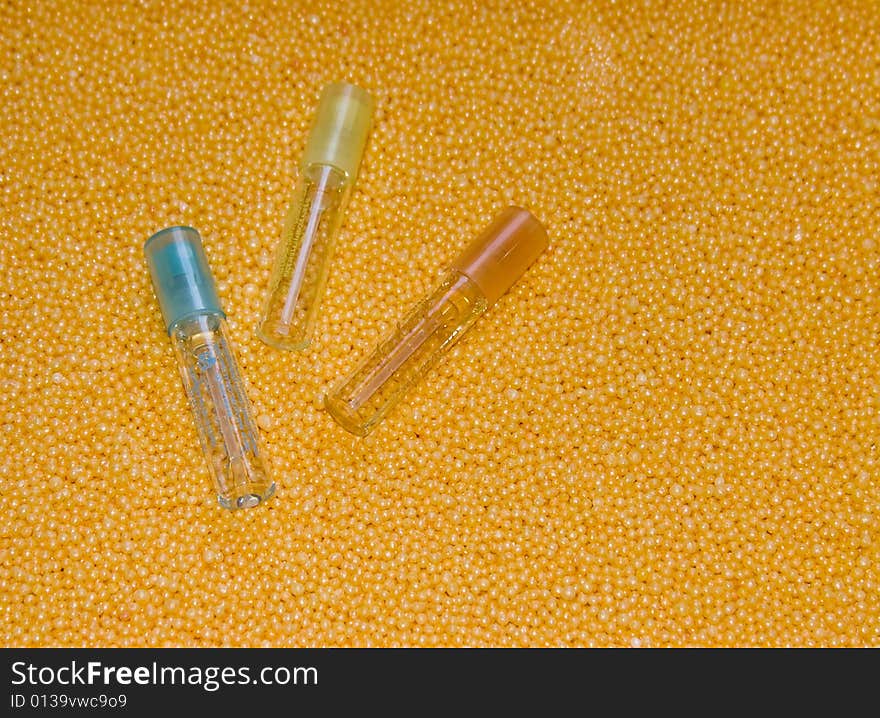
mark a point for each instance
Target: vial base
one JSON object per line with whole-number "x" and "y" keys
{"x": 246, "y": 500}
{"x": 274, "y": 337}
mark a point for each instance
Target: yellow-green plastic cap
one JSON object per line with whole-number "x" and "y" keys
{"x": 340, "y": 129}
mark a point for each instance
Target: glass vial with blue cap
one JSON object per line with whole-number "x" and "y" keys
{"x": 196, "y": 324}
{"x": 328, "y": 170}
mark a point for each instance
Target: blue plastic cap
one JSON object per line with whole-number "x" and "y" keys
{"x": 181, "y": 276}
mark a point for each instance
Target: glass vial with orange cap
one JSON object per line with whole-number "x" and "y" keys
{"x": 478, "y": 277}
{"x": 328, "y": 170}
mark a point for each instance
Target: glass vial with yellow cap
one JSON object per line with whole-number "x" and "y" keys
{"x": 196, "y": 324}
{"x": 328, "y": 170}
{"x": 478, "y": 277}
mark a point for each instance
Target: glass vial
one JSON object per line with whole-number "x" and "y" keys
{"x": 196, "y": 324}
{"x": 327, "y": 172}
{"x": 478, "y": 277}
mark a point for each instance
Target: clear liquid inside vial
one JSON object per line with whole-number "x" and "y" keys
{"x": 224, "y": 421}
{"x": 303, "y": 259}
{"x": 407, "y": 355}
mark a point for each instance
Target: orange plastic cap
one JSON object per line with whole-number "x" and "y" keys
{"x": 496, "y": 259}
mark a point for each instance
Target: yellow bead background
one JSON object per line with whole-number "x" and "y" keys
{"x": 665, "y": 435}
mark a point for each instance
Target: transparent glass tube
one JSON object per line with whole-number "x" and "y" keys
{"x": 300, "y": 271}
{"x": 223, "y": 415}
{"x": 403, "y": 358}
